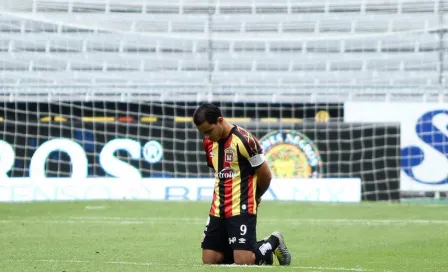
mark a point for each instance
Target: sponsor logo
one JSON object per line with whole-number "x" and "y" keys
{"x": 431, "y": 128}
{"x": 198, "y": 189}
{"x": 112, "y": 165}
{"x": 152, "y": 152}
{"x": 290, "y": 154}
{"x": 229, "y": 154}
{"x": 242, "y": 240}
{"x": 226, "y": 173}
{"x": 232, "y": 240}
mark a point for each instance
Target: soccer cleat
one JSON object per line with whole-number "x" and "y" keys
{"x": 281, "y": 252}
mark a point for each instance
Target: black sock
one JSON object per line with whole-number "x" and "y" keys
{"x": 263, "y": 253}
{"x": 273, "y": 241}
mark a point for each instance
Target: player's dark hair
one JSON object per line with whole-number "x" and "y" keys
{"x": 206, "y": 112}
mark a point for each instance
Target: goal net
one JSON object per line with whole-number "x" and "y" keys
{"x": 108, "y": 88}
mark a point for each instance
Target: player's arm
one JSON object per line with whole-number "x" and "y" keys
{"x": 206, "y": 145}
{"x": 263, "y": 181}
{"x": 257, "y": 160}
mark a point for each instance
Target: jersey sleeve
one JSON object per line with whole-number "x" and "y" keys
{"x": 208, "y": 145}
{"x": 252, "y": 149}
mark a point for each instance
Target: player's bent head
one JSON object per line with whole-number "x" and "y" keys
{"x": 206, "y": 112}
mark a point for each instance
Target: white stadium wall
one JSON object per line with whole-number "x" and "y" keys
{"x": 57, "y": 189}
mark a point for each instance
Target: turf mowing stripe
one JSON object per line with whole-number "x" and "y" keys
{"x": 197, "y": 220}
{"x": 229, "y": 266}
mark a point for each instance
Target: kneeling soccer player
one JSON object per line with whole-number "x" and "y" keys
{"x": 242, "y": 177}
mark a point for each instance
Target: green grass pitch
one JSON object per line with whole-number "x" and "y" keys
{"x": 164, "y": 236}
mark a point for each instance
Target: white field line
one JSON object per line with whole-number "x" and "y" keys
{"x": 202, "y": 221}
{"x": 357, "y": 269}
{"x": 96, "y": 207}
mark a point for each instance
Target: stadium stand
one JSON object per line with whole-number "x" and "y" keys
{"x": 316, "y": 50}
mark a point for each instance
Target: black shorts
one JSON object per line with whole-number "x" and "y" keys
{"x": 232, "y": 233}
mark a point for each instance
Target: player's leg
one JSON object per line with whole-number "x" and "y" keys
{"x": 212, "y": 257}
{"x": 264, "y": 251}
{"x": 215, "y": 249}
{"x": 281, "y": 252}
{"x": 243, "y": 257}
{"x": 242, "y": 238}
{"x": 276, "y": 241}
{"x": 217, "y": 257}
{"x": 241, "y": 231}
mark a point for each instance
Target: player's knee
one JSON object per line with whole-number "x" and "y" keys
{"x": 211, "y": 257}
{"x": 207, "y": 260}
{"x": 242, "y": 257}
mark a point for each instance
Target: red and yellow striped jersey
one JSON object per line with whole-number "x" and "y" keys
{"x": 234, "y": 160}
